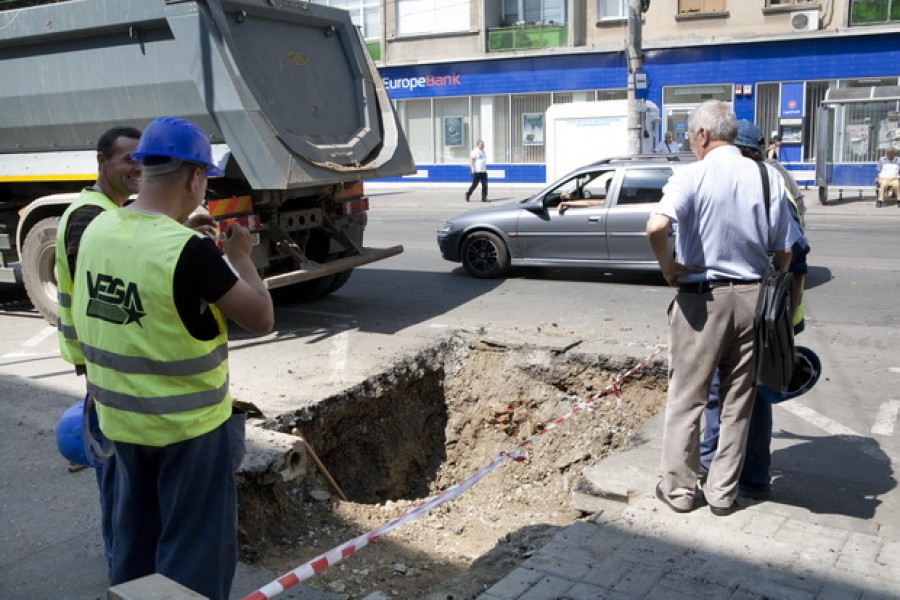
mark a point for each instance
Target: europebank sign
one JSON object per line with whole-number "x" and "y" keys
{"x": 423, "y": 81}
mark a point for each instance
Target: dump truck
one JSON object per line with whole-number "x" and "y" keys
{"x": 293, "y": 105}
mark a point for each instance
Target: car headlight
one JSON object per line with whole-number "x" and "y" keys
{"x": 446, "y": 227}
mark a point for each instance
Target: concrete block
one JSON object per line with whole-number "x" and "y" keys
{"x": 273, "y": 457}
{"x": 152, "y": 587}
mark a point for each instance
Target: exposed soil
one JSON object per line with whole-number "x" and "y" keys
{"x": 431, "y": 423}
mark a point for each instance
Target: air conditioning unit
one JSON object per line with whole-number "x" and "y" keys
{"x": 805, "y": 20}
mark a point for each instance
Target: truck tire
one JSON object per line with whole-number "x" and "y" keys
{"x": 484, "y": 255}
{"x": 308, "y": 291}
{"x": 39, "y": 267}
{"x": 339, "y": 280}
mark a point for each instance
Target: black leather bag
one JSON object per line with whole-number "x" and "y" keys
{"x": 774, "y": 328}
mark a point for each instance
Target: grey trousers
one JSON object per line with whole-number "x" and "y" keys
{"x": 707, "y": 331}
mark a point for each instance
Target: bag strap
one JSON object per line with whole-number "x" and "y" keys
{"x": 764, "y": 174}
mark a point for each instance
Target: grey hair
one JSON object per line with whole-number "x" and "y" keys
{"x": 717, "y": 118}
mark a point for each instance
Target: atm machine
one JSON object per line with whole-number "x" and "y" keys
{"x": 791, "y": 130}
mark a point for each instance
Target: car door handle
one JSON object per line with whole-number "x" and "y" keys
{"x": 595, "y": 219}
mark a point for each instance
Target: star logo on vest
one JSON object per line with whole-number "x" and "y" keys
{"x": 114, "y": 300}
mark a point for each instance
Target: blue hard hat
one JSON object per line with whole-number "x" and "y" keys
{"x": 176, "y": 138}
{"x": 78, "y": 436}
{"x": 749, "y": 135}
{"x": 807, "y": 369}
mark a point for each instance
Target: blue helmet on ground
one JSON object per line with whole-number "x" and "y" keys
{"x": 78, "y": 436}
{"x": 174, "y": 138}
{"x": 749, "y": 135}
{"x": 807, "y": 369}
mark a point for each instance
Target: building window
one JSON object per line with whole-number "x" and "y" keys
{"x": 700, "y": 6}
{"x": 533, "y": 11}
{"x": 612, "y": 10}
{"x": 786, "y": 2}
{"x": 422, "y": 17}
{"x": 365, "y": 14}
{"x": 444, "y": 130}
{"x": 873, "y": 12}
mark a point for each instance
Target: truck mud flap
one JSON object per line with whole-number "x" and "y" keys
{"x": 368, "y": 255}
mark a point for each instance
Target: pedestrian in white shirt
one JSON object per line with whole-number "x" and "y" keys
{"x": 478, "y": 164}
{"x": 668, "y": 145}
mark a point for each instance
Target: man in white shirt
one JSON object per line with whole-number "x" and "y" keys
{"x": 888, "y": 175}
{"x": 668, "y": 145}
{"x": 478, "y": 165}
{"x": 722, "y": 240}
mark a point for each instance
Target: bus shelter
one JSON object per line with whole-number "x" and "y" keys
{"x": 855, "y": 127}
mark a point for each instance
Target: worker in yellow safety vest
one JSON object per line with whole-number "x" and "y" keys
{"x": 118, "y": 177}
{"x": 150, "y": 303}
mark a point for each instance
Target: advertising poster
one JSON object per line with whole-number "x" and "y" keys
{"x": 453, "y": 131}
{"x": 533, "y": 129}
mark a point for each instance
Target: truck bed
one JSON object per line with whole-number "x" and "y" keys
{"x": 286, "y": 90}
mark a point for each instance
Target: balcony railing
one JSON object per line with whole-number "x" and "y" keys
{"x": 374, "y": 49}
{"x": 527, "y": 37}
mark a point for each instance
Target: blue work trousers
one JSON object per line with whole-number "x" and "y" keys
{"x": 175, "y": 510}
{"x": 106, "y": 476}
{"x": 757, "y": 455}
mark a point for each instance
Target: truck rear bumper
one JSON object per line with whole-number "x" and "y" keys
{"x": 368, "y": 255}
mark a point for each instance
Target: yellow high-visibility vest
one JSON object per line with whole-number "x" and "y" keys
{"x": 69, "y": 348}
{"x": 154, "y": 383}
{"x": 800, "y": 311}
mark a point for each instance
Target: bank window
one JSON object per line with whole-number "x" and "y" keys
{"x": 365, "y": 14}
{"x": 490, "y": 122}
{"x": 612, "y": 10}
{"x": 453, "y": 134}
{"x": 530, "y": 12}
{"x": 527, "y": 127}
{"x": 421, "y": 17}
{"x": 873, "y": 12}
{"x": 416, "y": 121}
{"x": 700, "y": 6}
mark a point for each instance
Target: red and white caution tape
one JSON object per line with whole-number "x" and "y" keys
{"x": 336, "y": 555}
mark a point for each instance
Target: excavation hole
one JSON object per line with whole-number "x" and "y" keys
{"x": 432, "y": 421}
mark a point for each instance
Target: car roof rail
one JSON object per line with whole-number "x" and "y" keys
{"x": 675, "y": 157}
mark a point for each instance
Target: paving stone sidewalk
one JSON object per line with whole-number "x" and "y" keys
{"x": 634, "y": 547}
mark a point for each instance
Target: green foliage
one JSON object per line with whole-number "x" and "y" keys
{"x": 870, "y": 11}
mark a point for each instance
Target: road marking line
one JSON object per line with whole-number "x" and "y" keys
{"x": 40, "y": 337}
{"x": 866, "y": 445}
{"x": 887, "y": 416}
{"x": 338, "y": 353}
{"x": 13, "y": 355}
{"x": 894, "y": 369}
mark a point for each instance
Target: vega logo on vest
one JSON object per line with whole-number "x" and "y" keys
{"x": 114, "y": 301}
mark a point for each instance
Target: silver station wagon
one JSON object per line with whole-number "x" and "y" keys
{"x": 605, "y": 210}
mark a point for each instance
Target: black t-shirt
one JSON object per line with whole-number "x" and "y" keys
{"x": 201, "y": 275}
{"x": 201, "y": 278}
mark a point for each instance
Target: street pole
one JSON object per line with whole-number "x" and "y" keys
{"x": 635, "y": 57}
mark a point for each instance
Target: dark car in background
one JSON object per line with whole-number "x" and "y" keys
{"x": 606, "y": 230}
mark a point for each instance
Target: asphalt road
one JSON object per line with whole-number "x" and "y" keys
{"x": 392, "y": 307}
